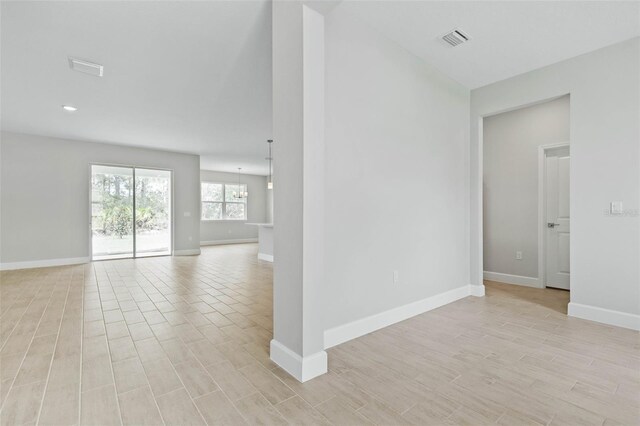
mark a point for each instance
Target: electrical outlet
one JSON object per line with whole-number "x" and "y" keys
{"x": 187, "y": 214}
{"x": 190, "y": 238}
{"x": 518, "y": 255}
{"x": 396, "y": 277}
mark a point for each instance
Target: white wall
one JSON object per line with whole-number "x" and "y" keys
{"x": 396, "y": 175}
{"x": 45, "y": 194}
{"x": 511, "y": 142}
{"x": 605, "y": 166}
{"x": 298, "y": 117}
{"x": 287, "y": 192}
{"x": 257, "y": 208}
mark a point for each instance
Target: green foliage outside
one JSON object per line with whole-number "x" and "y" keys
{"x": 113, "y": 204}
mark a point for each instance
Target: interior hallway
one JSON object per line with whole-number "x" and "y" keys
{"x": 184, "y": 340}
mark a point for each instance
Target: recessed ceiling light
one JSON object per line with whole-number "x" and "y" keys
{"x": 69, "y": 108}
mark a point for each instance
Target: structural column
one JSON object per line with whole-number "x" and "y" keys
{"x": 298, "y": 130}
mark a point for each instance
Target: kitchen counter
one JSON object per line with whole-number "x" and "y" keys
{"x": 265, "y": 240}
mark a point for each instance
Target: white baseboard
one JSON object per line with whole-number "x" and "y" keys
{"x": 512, "y": 279}
{"x": 606, "y": 316}
{"x": 188, "y": 252}
{"x": 343, "y": 333}
{"x": 476, "y": 290}
{"x": 301, "y": 368}
{"x": 221, "y": 242}
{"x": 7, "y": 266}
{"x": 267, "y": 257}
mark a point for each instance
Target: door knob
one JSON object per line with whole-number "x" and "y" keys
{"x": 552, "y": 225}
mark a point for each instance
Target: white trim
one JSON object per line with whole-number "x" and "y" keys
{"x": 188, "y": 252}
{"x": 7, "y": 266}
{"x": 301, "y": 368}
{"x": 221, "y": 242}
{"x": 541, "y": 218}
{"x": 343, "y": 333}
{"x": 542, "y": 259}
{"x": 266, "y": 257}
{"x": 476, "y": 290}
{"x": 512, "y": 279}
{"x": 606, "y": 316}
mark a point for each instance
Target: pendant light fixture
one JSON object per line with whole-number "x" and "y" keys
{"x": 270, "y": 159}
{"x": 239, "y": 193}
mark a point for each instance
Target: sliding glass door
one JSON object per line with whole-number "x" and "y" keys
{"x": 153, "y": 212}
{"x": 130, "y": 212}
{"x": 111, "y": 212}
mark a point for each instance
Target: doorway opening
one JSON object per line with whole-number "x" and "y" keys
{"x": 525, "y": 199}
{"x": 131, "y": 212}
{"x": 554, "y": 213}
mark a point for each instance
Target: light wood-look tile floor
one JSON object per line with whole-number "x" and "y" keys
{"x": 185, "y": 341}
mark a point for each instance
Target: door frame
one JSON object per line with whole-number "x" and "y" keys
{"x": 476, "y": 183}
{"x": 542, "y": 205}
{"x": 172, "y": 209}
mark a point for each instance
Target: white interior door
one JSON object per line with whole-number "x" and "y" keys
{"x": 557, "y": 165}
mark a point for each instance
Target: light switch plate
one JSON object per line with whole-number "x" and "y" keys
{"x": 187, "y": 214}
{"x": 616, "y": 207}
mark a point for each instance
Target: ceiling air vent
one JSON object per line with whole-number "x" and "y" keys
{"x": 86, "y": 67}
{"x": 455, "y": 37}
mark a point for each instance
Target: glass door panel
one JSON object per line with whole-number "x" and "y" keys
{"x": 111, "y": 212}
{"x": 153, "y": 212}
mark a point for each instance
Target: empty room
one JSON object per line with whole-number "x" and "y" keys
{"x": 320, "y": 212}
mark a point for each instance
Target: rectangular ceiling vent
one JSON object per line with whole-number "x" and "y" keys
{"x": 455, "y": 37}
{"x": 86, "y": 67}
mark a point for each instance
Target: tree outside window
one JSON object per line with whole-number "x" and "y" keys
{"x": 219, "y": 201}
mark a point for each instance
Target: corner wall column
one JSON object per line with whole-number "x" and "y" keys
{"x": 298, "y": 130}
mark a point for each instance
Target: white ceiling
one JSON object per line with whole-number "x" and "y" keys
{"x": 508, "y": 37}
{"x": 196, "y": 76}
{"x": 183, "y": 76}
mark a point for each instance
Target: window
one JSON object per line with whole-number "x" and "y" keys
{"x": 219, "y": 201}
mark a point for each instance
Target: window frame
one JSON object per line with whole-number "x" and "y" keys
{"x": 224, "y": 202}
